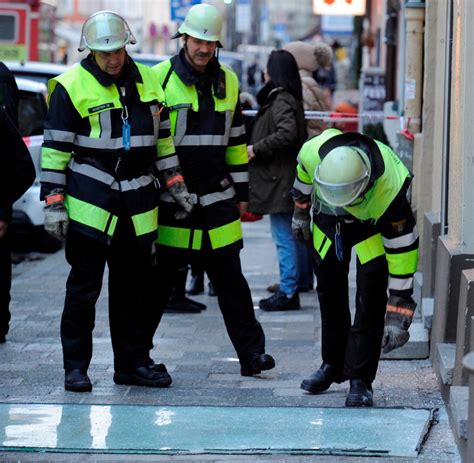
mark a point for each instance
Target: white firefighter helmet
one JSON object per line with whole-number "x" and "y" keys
{"x": 342, "y": 176}
{"x": 105, "y": 31}
{"x": 204, "y": 22}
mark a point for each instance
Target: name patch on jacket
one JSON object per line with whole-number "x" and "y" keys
{"x": 101, "y": 107}
{"x": 180, "y": 106}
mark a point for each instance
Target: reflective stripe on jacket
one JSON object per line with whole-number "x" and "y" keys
{"x": 209, "y": 136}
{"x": 384, "y": 206}
{"x": 83, "y": 150}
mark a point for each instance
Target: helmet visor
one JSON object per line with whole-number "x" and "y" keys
{"x": 339, "y": 194}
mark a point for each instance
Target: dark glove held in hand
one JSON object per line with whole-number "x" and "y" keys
{"x": 397, "y": 321}
{"x": 301, "y": 224}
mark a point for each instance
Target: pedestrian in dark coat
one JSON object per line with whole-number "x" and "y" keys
{"x": 278, "y": 133}
{"x": 17, "y": 173}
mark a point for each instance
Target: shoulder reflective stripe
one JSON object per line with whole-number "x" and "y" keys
{"x": 401, "y": 241}
{"x": 53, "y": 177}
{"x": 165, "y": 146}
{"x": 400, "y": 284}
{"x": 404, "y": 263}
{"x": 225, "y": 235}
{"x": 237, "y": 131}
{"x": 197, "y": 240}
{"x": 136, "y": 183}
{"x": 370, "y": 248}
{"x": 146, "y": 222}
{"x": 54, "y": 159}
{"x": 303, "y": 187}
{"x": 166, "y": 163}
{"x": 180, "y": 126}
{"x": 240, "y": 177}
{"x": 236, "y": 155}
{"x": 165, "y": 124}
{"x": 58, "y": 135}
{"x": 156, "y": 119}
{"x": 321, "y": 242}
{"x": 90, "y": 215}
{"x": 95, "y": 126}
{"x": 173, "y": 236}
{"x": 136, "y": 141}
{"x": 203, "y": 140}
{"x": 93, "y": 172}
{"x": 211, "y": 198}
{"x": 106, "y": 124}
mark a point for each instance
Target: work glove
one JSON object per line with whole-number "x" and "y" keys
{"x": 56, "y": 220}
{"x": 397, "y": 321}
{"x": 177, "y": 188}
{"x": 301, "y": 223}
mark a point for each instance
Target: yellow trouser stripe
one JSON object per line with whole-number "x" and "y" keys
{"x": 146, "y": 222}
{"x": 173, "y": 236}
{"x": 89, "y": 215}
{"x": 370, "y": 248}
{"x": 225, "y": 235}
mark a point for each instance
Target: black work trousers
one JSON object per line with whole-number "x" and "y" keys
{"x": 129, "y": 284}
{"x": 353, "y": 349}
{"x": 233, "y": 295}
{"x": 5, "y": 283}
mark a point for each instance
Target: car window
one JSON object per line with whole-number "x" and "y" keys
{"x": 31, "y": 113}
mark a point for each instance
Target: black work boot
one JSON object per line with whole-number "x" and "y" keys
{"x": 77, "y": 381}
{"x": 257, "y": 364}
{"x": 321, "y": 379}
{"x": 360, "y": 394}
{"x": 143, "y": 376}
{"x": 280, "y": 301}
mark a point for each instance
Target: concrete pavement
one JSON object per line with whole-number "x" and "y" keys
{"x": 200, "y": 358}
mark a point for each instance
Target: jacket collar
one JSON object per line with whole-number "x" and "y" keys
{"x": 189, "y": 75}
{"x": 130, "y": 72}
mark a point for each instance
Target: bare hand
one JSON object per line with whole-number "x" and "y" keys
{"x": 250, "y": 153}
{"x": 3, "y": 228}
{"x": 242, "y": 205}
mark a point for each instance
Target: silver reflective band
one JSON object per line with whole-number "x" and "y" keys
{"x": 136, "y": 141}
{"x": 167, "y": 163}
{"x": 205, "y": 200}
{"x": 136, "y": 183}
{"x": 91, "y": 172}
{"x": 204, "y": 140}
{"x": 237, "y": 131}
{"x": 401, "y": 241}
{"x": 165, "y": 124}
{"x": 303, "y": 187}
{"x": 156, "y": 119}
{"x": 240, "y": 177}
{"x": 53, "y": 177}
{"x": 400, "y": 284}
{"x": 59, "y": 135}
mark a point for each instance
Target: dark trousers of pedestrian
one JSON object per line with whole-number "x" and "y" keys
{"x": 5, "y": 285}
{"x": 129, "y": 282}
{"x": 233, "y": 295}
{"x": 353, "y": 349}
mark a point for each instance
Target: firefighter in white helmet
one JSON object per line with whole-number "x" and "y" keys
{"x": 206, "y": 121}
{"x": 356, "y": 189}
{"x": 106, "y": 136}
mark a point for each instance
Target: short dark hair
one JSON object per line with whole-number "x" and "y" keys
{"x": 283, "y": 72}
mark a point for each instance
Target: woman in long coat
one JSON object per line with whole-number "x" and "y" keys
{"x": 278, "y": 133}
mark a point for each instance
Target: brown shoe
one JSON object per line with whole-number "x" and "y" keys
{"x": 274, "y": 288}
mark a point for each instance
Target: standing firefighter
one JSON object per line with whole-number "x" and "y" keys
{"x": 357, "y": 189}
{"x": 106, "y": 131}
{"x": 206, "y": 122}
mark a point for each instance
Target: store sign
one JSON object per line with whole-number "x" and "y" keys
{"x": 339, "y": 7}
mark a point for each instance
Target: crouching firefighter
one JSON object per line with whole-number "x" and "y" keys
{"x": 356, "y": 189}
{"x": 106, "y": 132}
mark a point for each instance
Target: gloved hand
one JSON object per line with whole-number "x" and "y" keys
{"x": 177, "y": 188}
{"x": 301, "y": 224}
{"x": 397, "y": 321}
{"x": 56, "y": 220}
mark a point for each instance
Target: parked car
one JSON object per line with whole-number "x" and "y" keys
{"x": 35, "y": 70}
{"x": 28, "y": 217}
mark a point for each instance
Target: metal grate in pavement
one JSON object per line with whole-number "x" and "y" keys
{"x": 394, "y": 432}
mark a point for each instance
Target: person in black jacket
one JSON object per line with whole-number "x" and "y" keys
{"x": 17, "y": 173}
